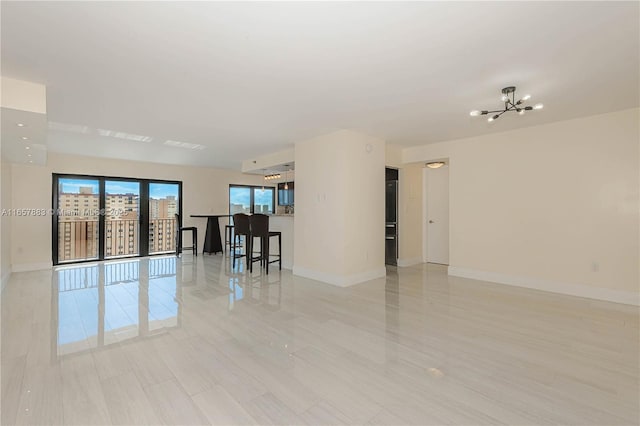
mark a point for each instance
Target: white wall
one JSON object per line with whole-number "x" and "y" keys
{"x": 205, "y": 191}
{"x": 23, "y": 95}
{"x": 554, "y": 207}
{"x": 393, "y": 156}
{"x": 339, "y": 224}
{"x": 5, "y": 225}
{"x": 410, "y": 195}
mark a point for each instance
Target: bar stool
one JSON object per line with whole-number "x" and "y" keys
{"x": 228, "y": 236}
{"x": 260, "y": 229}
{"x": 194, "y": 237}
{"x": 241, "y": 228}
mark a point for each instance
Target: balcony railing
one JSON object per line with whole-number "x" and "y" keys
{"x": 78, "y": 239}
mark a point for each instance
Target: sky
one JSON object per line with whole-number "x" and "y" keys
{"x": 156, "y": 190}
{"x": 162, "y": 190}
{"x": 73, "y": 185}
{"x": 241, "y": 195}
{"x": 120, "y": 187}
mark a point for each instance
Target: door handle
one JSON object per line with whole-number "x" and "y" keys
{"x": 431, "y": 221}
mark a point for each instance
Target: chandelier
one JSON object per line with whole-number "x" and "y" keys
{"x": 510, "y": 104}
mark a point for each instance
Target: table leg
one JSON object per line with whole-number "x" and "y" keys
{"x": 212, "y": 240}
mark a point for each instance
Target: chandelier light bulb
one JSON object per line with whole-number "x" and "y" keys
{"x": 475, "y": 113}
{"x": 505, "y": 98}
{"x": 526, "y": 97}
{"x": 538, "y": 106}
{"x": 521, "y": 112}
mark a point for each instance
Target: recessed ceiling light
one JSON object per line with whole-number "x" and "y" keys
{"x": 31, "y": 161}
{"x": 21, "y": 125}
{"x": 27, "y": 147}
{"x": 28, "y": 155}
{"x": 186, "y": 145}
{"x": 24, "y": 138}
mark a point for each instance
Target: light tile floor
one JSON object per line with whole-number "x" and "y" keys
{"x": 188, "y": 341}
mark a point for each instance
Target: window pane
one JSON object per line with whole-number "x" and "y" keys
{"x": 78, "y": 204}
{"x": 263, "y": 200}
{"x": 239, "y": 200}
{"x": 122, "y": 214}
{"x": 163, "y": 206}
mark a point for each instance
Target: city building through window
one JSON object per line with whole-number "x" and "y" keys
{"x": 98, "y": 218}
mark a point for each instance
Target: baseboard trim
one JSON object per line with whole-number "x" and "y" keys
{"x": 340, "y": 280}
{"x": 579, "y": 290}
{"x": 28, "y": 267}
{"x": 409, "y": 262}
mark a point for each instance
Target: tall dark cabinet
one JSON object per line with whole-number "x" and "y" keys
{"x": 391, "y": 217}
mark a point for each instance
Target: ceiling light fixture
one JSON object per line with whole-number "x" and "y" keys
{"x": 20, "y": 124}
{"x": 510, "y": 104}
{"x": 272, "y": 176}
{"x": 286, "y": 175}
{"x": 435, "y": 164}
{"x": 24, "y": 138}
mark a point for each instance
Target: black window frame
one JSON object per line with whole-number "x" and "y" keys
{"x": 253, "y": 188}
{"x": 143, "y": 250}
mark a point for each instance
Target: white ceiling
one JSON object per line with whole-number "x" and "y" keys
{"x": 238, "y": 80}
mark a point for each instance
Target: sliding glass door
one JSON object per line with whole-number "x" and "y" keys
{"x": 77, "y": 219}
{"x": 97, "y": 218}
{"x": 164, "y": 200}
{"x": 122, "y": 218}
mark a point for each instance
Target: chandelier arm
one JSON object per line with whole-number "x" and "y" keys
{"x": 513, "y": 106}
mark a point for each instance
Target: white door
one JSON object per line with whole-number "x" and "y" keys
{"x": 437, "y": 202}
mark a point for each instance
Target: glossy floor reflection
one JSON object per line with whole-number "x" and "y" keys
{"x": 189, "y": 341}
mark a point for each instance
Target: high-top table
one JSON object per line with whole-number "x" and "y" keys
{"x": 212, "y": 241}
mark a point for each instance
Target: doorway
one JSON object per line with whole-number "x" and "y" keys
{"x": 98, "y": 218}
{"x": 436, "y": 244}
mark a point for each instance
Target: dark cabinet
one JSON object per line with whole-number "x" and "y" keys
{"x": 285, "y": 196}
